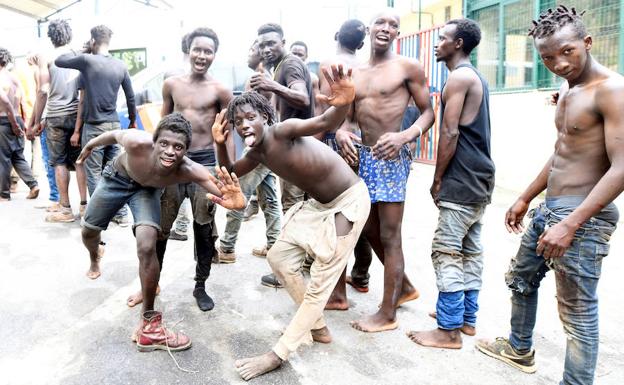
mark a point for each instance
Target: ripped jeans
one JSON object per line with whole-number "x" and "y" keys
{"x": 576, "y": 275}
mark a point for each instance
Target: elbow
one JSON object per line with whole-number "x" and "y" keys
{"x": 449, "y": 133}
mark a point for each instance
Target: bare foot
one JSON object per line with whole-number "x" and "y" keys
{"x": 321, "y": 335}
{"x": 466, "y": 329}
{"x": 375, "y": 323}
{"x": 337, "y": 304}
{"x": 437, "y": 338}
{"x": 94, "y": 270}
{"x": 137, "y": 297}
{"x": 249, "y": 368}
{"x": 408, "y": 296}
{"x": 361, "y": 289}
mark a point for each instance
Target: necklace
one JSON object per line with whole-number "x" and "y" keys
{"x": 278, "y": 66}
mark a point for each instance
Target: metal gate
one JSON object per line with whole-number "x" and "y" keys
{"x": 420, "y": 46}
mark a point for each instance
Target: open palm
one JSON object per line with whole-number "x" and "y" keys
{"x": 341, "y": 86}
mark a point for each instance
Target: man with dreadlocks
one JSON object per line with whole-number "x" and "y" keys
{"x": 570, "y": 231}
{"x": 325, "y": 227}
{"x": 58, "y": 91}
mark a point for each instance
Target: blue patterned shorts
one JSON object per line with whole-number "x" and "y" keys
{"x": 386, "y": 179}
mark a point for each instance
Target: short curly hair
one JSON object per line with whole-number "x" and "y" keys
{"x": 5, "y": 57}
{"x": 205, "y": 32}
{"x": 60, "y": 32}
{"x": 271, "y": 27}
{"x": 101, "y": 34}
{"x": 467, "y": 30}
{"x": 177, "y": 124}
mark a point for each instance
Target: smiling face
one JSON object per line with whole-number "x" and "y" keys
{"x": 271, "y": 46}
{"x": 564, "y": 53}
{"x": 169, "y": 150}
{"x": 445, "y": 46}
{"x": 383, "y": 30}
{"x": 250, "y": 124}
{"x": 201, "y": 54}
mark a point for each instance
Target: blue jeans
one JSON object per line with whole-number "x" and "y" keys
{"x": 457, "y": 257}
{"x": 576, "y": 275}
{"x": 45, "y": 155}
{"x": 113, "y": 191}
{"x": 102, "y": 155}
{"x": 264, "y": 180}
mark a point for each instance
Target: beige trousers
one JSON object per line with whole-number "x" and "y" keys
{"x": 310, "y": 229}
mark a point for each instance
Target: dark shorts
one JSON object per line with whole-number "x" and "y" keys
{"x": 113, "y": 191}
{"x": 386, "y": 179}
{"x": 59, "y": 132}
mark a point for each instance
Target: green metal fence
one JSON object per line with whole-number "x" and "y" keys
{"x": 506, "y": 55}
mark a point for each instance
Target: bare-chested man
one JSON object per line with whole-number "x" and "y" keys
{"x": 384, "y": 87}
{"x": 462, "y": 188}
{"x": 198, "y": 97}
{"x": 570, "y": 232}
{"x": 12, "y": 133}
{"x": 326, "y": 226}
{"x": 136, "y": 177}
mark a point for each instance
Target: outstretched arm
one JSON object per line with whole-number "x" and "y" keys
{"x": 342, "y": 94}
{"x": 225, "y": 191}
{"x": 131, "y": 140}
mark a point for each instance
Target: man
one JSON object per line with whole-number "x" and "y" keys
{"x": 291, "y": 85}
{"x": 462, "y": 187}
{"x": 12, "y": 133}
{"x": 57, "y": 90}
{"x": 136, "y": 177}
{"x": 349, "y": 39}
{"x": 262, "y": 180}
{"x": 198, "y": 97}
{"x": 300, "y": 49}
{"x": 384, "y": 86}
{"x": 569, "y": 233}
{"x": 326, "y": 227}
{"x": 102, "y": 76}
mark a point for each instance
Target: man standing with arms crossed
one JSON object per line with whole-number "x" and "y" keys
{"x": 383, "y": 88}
{"x": 570, "y": 231}
{"x": 102, "y": 76}
{"x": 462, "y": 187}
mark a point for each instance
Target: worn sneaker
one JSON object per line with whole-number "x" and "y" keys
{"x": 65, "y": 215}
{"x": 175, "y": 236}
{"x": 54, "y": 207}
{"x": 250, "y": 210}
{"x": 260, "y": 251}
{"x": 224, "y": 256}
{"x": 121, "y": 220}
{"x": 502, "y": 350}
{"x": 152, "y": 335}
{"x": 270, "y": 280}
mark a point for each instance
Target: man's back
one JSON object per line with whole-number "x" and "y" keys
{"x": 63, "y": 95}
{"x": 10, "y": 87}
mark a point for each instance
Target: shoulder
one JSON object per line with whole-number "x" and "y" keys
{"x": 462, "y": 77}
{"x": 609, "y": 92}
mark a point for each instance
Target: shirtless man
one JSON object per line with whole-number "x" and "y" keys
{"x": 384, "y": 87}
{"x": 198, "y": 97}
{"x": 569, "y": 233}
{"x": 325, "y": 226}
{"x": 462, "y": 188}
{"x": 136, "y": 177}
{"x": 12, "y": 133}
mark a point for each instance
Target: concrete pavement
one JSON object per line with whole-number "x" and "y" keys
{"x": 58, "y": 327}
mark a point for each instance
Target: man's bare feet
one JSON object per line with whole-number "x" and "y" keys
{"x": 374, "y": 323}
{"x": 249, "y": 368}
{"x": 466, "y": 329}
{"x": 94, "y": 270}
{"x": 137, "y": 297}
{"x": 437, "y": 338}
{"x": 337, "y": 304}
{"x": 321, "y": 335}
{"x": 408, "y": 295}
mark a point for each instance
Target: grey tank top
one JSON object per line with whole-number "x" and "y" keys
{"x": 63, "y": 95}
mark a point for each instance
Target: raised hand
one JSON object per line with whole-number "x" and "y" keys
{"x": 219, "y": 133}
{"x": 341, "y": 86}
{"x": 231, "y": 196}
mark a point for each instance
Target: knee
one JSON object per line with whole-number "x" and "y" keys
{"x": 89, "y": 234}
{"x": 390, "y": 237}
{"x": 146, "y": 250}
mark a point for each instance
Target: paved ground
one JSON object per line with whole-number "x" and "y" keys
{"x": 58, "y": 327}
